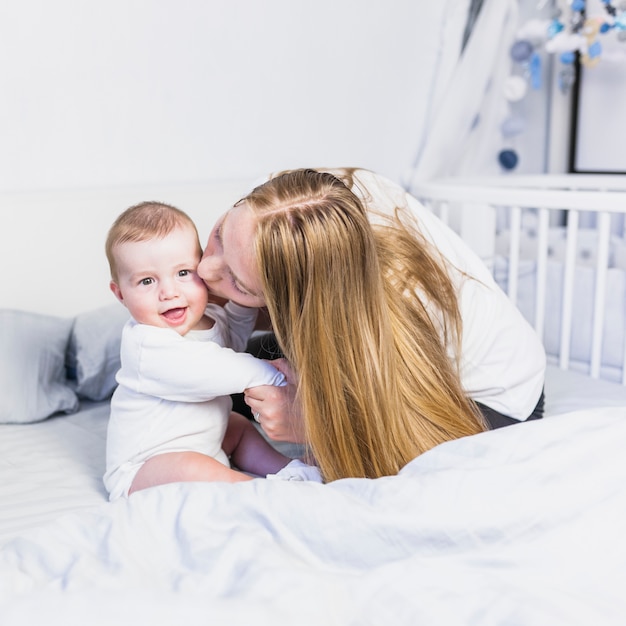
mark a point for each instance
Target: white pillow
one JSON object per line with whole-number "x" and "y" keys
{"x": 94, "y": 351}
{"x": 33, "y": 384}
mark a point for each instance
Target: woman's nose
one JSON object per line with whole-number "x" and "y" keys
{"x": 209, "y": 267}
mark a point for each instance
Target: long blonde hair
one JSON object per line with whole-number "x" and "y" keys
{"x": 376, "y": 384}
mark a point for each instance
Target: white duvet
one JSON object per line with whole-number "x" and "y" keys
{"x": 520, "y": 526}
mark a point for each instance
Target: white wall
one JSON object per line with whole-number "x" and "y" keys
{"x": 152, "y": 91}
{"x": 52, "y": 242}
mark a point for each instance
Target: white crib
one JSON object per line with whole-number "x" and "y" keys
{"x": 557, "y": 246}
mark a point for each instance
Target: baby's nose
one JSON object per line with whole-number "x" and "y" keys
{"x": 168, "y": 290}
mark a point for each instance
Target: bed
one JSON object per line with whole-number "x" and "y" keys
{"x": 522, "y": 525}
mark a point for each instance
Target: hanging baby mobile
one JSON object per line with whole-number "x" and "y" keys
{"x": 577, "y": 37}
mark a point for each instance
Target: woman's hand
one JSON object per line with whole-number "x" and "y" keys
{"x": 276, "y": 408}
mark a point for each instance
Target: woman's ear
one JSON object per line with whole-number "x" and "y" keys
{"x": 114, "y": 287}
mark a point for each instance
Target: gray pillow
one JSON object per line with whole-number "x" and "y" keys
{"x": 33, "y": 384}
{"x": 94, "y": 351}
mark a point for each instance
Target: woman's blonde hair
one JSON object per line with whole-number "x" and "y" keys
{"x": 146, "y": 220}
{"x": 347, "y": 301}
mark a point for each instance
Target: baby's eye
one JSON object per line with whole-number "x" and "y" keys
{"x": 146, "y": 281}
{"x": 184, "y": 273}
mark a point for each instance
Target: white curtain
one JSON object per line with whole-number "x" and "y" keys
{"x": 468, "y": 104}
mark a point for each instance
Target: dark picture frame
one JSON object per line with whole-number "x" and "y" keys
{"x": 598, "y": 120}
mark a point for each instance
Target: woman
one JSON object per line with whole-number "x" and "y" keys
{"x": 395, "y": 334}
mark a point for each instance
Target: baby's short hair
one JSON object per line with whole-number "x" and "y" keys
{"x": 146, "y": 220}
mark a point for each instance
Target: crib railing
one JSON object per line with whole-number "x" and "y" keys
{"x": 483, "y": 210}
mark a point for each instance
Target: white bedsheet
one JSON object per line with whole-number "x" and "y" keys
{"x": 523, "y": 525}
{"x": 50, "y": 467}
{"x": 569, "y": 390}
{"x": 56, "y": 466}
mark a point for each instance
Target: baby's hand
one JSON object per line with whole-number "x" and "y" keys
{"x": 283, "y": 365}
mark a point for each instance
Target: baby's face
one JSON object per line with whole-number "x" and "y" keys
{"x": 158, "y": 282}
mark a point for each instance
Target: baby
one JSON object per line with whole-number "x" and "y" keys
{"x": 171, "y": 417}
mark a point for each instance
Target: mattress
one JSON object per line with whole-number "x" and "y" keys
{"x": 521, "y": 525}
{"x": 55, "y": 466}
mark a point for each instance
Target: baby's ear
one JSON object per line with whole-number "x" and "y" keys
{"x": 114, "y": 287}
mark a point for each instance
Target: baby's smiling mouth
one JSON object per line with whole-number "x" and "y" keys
{"x": 175, "y": 316}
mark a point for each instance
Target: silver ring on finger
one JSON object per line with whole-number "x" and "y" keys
{"x": 257, "y": 417}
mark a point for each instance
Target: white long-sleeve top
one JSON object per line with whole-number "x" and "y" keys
{"x": 502, "y": 359}
{"x": 173, "y": 391}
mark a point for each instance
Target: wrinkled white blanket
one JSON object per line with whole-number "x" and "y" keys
{"x": 522, "y": 526}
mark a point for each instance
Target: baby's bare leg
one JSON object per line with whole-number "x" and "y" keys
{"x": 174, "y": 467}
{"x": 248, "y": 450}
